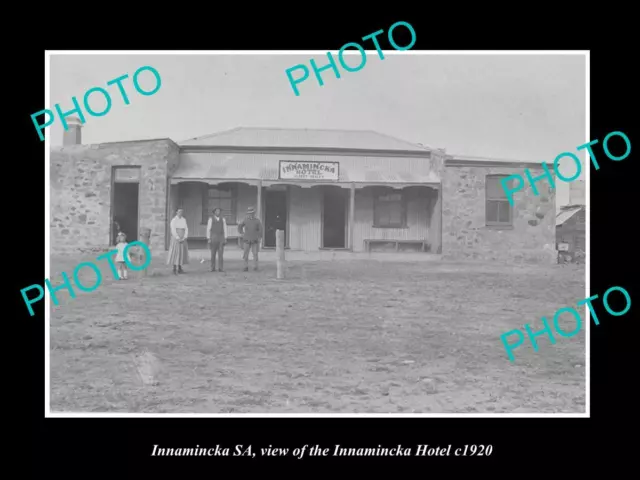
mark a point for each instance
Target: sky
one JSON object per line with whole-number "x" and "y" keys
{"x": 521, "y": 107}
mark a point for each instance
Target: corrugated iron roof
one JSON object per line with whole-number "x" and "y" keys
{"x": 566, "y": 214}
{"x": 266, "y": 166}
{"x": 481, "y": 159}
{"x": 304, "y": 138}
{"x": 456, "y": 159}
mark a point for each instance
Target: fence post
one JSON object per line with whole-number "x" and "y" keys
{"x": 280, "y": 254}
{"x": 145, "y": 234}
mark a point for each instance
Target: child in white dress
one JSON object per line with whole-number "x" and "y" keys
{"x": 120, "y": 263}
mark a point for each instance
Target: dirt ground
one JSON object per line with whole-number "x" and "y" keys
{"x": 348, "y": 337}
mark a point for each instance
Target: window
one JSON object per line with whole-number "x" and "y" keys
{"x": 389, "y": 209}
{"x": 224, "y": 198}
{"x": 498, "y": 210}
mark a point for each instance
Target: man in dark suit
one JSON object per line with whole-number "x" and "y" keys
{"x": 217, "y": 238}
{"x": 251, "y": 230}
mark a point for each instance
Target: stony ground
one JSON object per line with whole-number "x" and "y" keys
{"x": 348, "y": 337}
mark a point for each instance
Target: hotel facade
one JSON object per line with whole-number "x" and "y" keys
{"x": 358, "y": 191}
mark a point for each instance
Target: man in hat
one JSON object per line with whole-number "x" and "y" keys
{"x": 217, "y": 238}
{"x": 251, "y": 230}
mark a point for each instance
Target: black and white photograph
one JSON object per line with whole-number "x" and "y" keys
{"x": 287, "y": 234}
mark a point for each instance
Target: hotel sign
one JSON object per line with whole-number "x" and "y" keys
{"x": 292, "y": 170}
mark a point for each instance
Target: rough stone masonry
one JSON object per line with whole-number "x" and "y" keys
{"x": 81, "y": 183}
{"x": 531, "y": 239}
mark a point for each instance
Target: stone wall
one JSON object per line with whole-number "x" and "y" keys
{"x": 465, "y": 234}
{"x": 436, "y": 227}
{"x": 80, "y": 180}
{"x": 438, "y": 157}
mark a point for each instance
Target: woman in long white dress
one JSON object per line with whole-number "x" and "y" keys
{"x": 178, "y": 251}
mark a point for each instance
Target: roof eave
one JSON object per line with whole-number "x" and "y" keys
{"x": 109, "y": 144}
{"x": 490, "y": 163}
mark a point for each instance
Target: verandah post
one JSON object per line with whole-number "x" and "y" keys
{"x": 352, "y": 216}
{"x": 280, "y": 262}
{"x": 259, "y": 201}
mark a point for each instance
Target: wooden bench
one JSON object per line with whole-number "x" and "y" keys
{"x": 368, "y": 242}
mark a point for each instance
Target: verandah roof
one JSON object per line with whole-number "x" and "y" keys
{"x": 219, "y": 167}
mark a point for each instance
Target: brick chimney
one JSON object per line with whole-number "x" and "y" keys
{"x": 73, "y": 135}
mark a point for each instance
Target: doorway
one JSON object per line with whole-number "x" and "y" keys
{"x": 275, "y": 217}
{"x": 334, "y": 218}
{"x": 125, "y": 211}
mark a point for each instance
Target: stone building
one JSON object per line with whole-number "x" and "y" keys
{"x": 478, "y": 221}
{"x": 93, "y": 184}
{"x": 327, "y": 189}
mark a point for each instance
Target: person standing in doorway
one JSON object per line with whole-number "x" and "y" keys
{"x": 217, "y": 238}
{"x": 251, "y": 230}
{"x": 116, "y": 229}
{"x": 178, "y": 251}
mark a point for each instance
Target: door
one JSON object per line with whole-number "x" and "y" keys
{"x": 124, "y": 203}
{"x": 334, "y": 218}
{"x": 275, "y": 216}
